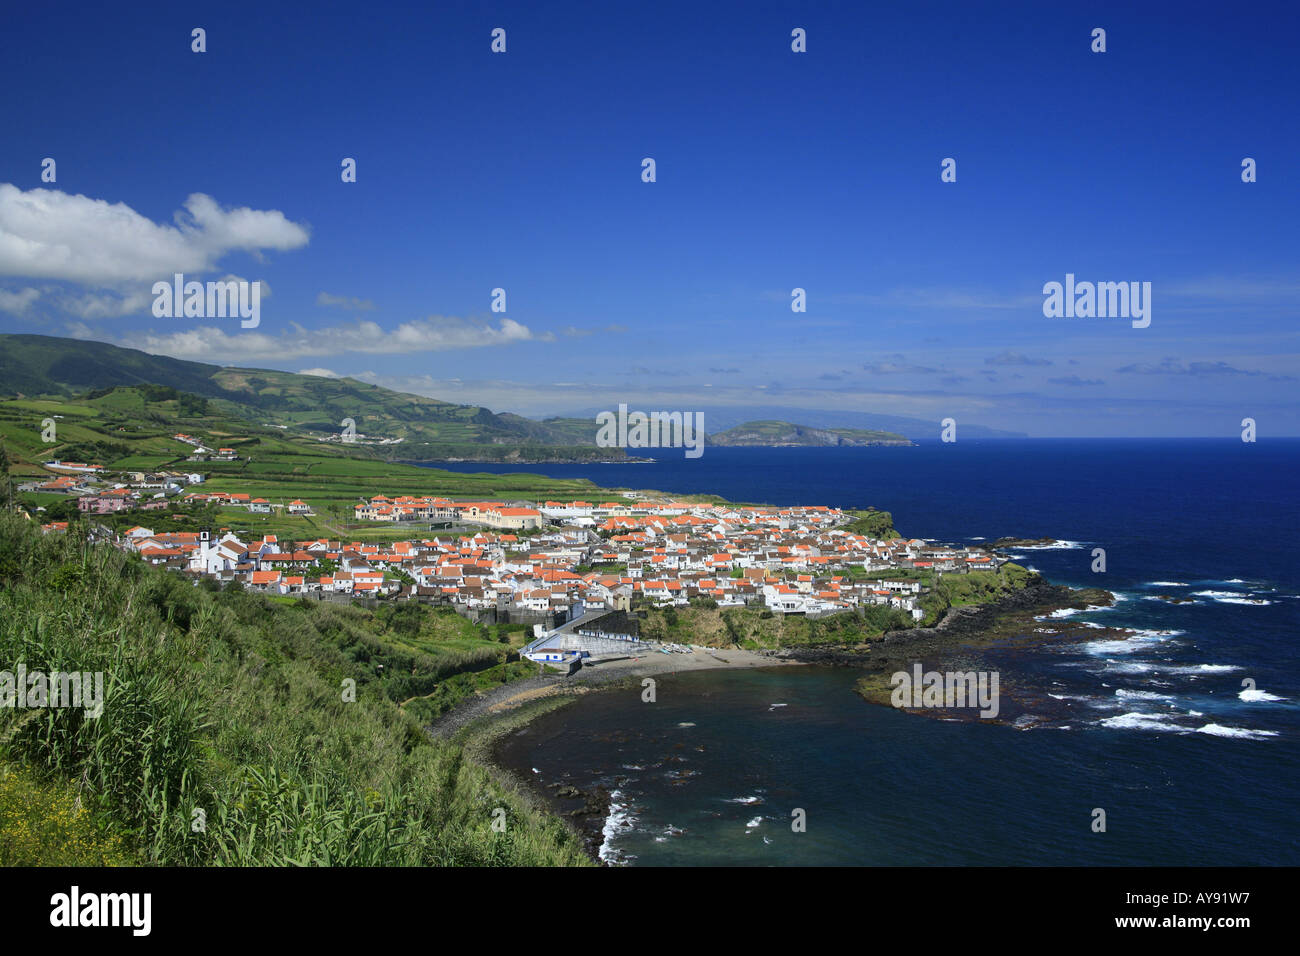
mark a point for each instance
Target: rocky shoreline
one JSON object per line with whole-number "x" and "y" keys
{"x": 1010, "y": 544}
{"x": 479, "y": 724}
{"x": 485, "y": 720}
{"x": 962, "y": 626}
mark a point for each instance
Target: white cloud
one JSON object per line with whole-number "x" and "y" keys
{"x": 103, "y": 305}
{"x": 320, "y": 372}
{"x": 49, "y": 234}
{"x": 900, "y": 368}
{"x": 18, "y": 302}
{"x": 107, "y": 304}
{"x": 434, "y": 334}
{"x": 264, "y": 292}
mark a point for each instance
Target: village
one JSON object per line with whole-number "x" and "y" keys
{"x": 552, "y": 563}
{"x": 571, "y": 569}
{"x": 99, "y": 492}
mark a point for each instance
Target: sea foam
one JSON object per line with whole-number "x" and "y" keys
{"x": 1219, "y": 730}
{"x": 619, "y": 819}
{"x": 1139, "y": 721}
{"x": 1258, "y": 696}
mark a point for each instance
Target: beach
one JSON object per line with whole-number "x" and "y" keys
{"x": 605, "y": 672}
{"x": 493, "y": 721}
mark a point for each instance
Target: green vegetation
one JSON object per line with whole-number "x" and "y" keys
{"x": 873, "y": 524}
{"x": 134, "y": 428}
{"x": 226, "y": 737}
{"x": 47, "y": 824}
{"x": 523, "y": 454}
{"x": 974, "y": 587}
{"x": 784, "y": 433}
{"x": 756, "y": 628}
{"x": 299, "y": 406}
{"x": 453, "y": 690}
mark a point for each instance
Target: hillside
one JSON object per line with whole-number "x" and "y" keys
{"x": 774, "y": 433}
{"x": 237, "y": 729}
{"x": 33, "y": 366}
{"x": 134, "y": 428}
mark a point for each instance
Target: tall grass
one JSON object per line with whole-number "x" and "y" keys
{"x": 225, "y": 738}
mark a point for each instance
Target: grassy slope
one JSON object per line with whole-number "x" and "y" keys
{"x": 122, "y": 430}
{"x": 755, "y": 628}
{"x": 34, "y": 365}
{"x": 231, "y": 704}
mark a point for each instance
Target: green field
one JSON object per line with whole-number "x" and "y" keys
{"x": 126, "y": 429}
{"x": 123, "y": 430}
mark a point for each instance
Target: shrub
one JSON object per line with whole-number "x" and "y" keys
{"x": 224, "y": 736}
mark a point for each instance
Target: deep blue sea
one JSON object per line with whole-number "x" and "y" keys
{"x": 1176, "y": 711}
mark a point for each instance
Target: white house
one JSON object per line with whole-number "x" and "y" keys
{"x": 215, "y": 557}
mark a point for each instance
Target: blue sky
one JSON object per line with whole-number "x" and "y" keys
{"x": 775, "y": 170}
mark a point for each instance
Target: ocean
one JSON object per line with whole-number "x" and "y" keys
{"x": 1176, "y": 711}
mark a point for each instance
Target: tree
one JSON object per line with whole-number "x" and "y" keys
{"x": 65, "y": 510}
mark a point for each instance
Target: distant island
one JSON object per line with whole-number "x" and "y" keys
{"x": 775, "y": 434}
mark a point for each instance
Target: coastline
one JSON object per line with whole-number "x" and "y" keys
{"x": 609, "y": 672}
{"x": 962, "y": 627}
{"x": 483, "y": 722}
